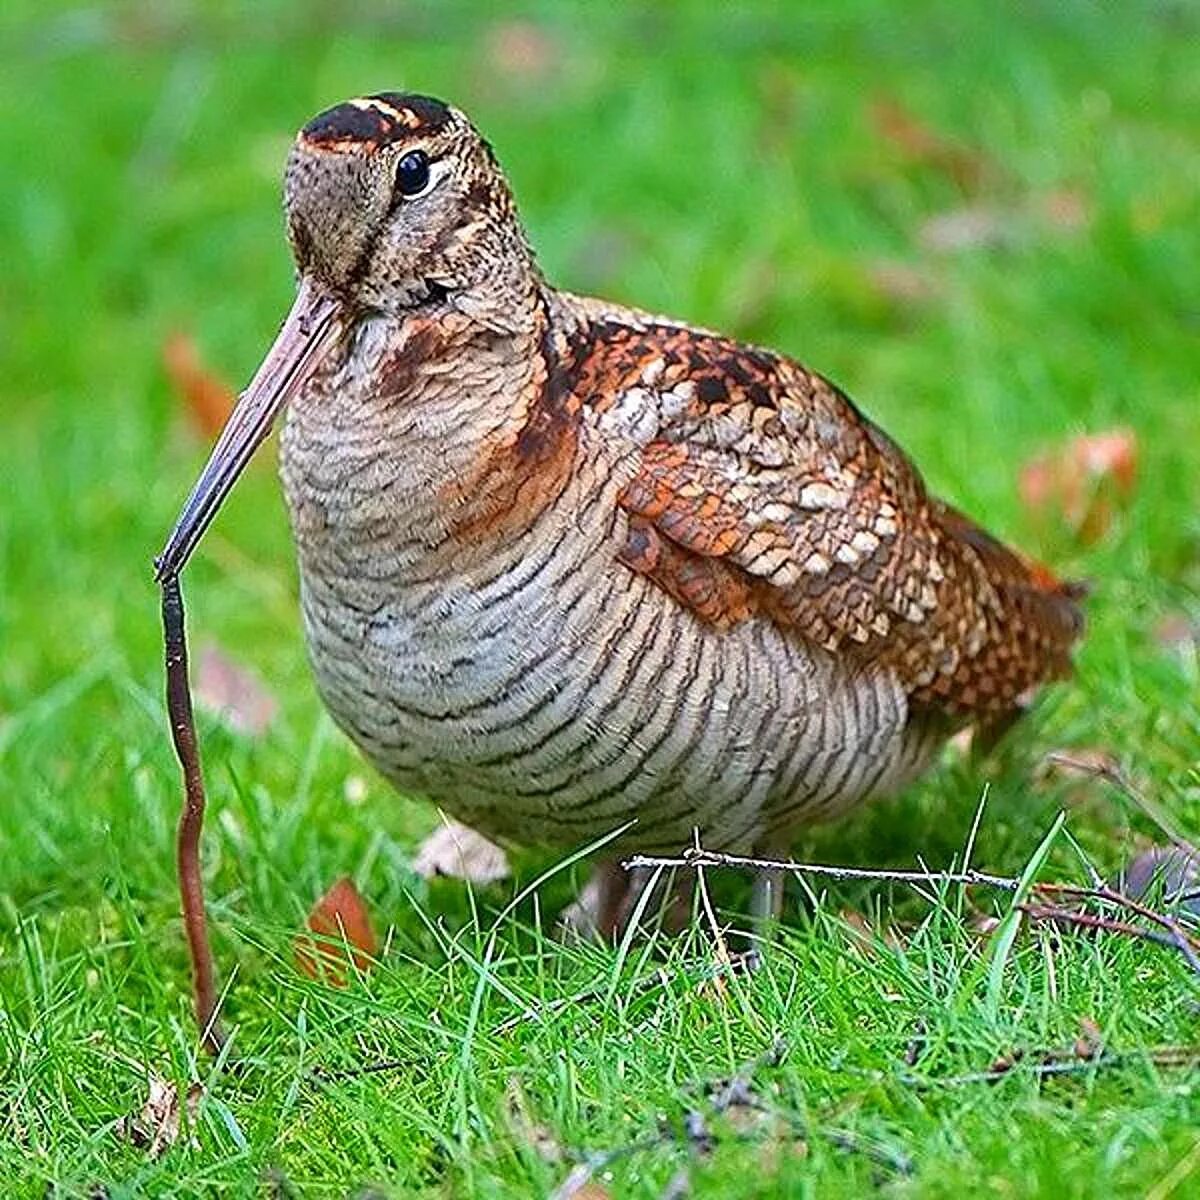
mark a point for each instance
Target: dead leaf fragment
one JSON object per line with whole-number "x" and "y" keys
{"x": 207, "y": 399}
{"x": 1083, "y": 482}
{"x": 457, "y": 851}
{"x": 234, "y": 693}
{"x": 342, "y": 936}
{"x": 859, "y": 934}
{"x": 900, "y": 283}
{"x": 920, "y": 143}
{"x": 1003, "y": 1063}
{"x": 983, "y": 925}
{"x": 158, "y": 1125}
{"x": 1068, "y": 209}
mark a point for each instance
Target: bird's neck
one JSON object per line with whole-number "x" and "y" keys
{"x": 431, "y": 434}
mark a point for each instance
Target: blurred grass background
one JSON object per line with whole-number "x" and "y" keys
{"x": 981, "y": 220}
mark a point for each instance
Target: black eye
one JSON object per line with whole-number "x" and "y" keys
{"x": 412, "y": 175}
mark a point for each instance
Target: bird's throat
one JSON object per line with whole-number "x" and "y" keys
{"x": 432, "y": 435}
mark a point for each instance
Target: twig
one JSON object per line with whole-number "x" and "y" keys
{"x": 722, "y": 950}
{"x": 697, "y": 857}
{"x": 1086, "y": 920}
{"x": 1174, "y": 933}
{"x": 1162, "y": 1056}
{"x": 191, "y": 818}
{"x": 694, "y": 1134}
{"x": 1111, "y": 773}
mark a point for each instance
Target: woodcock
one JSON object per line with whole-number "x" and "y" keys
{"x": 566, "y": 565}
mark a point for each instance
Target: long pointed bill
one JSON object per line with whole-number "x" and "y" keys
{"x": 311, "y": 329}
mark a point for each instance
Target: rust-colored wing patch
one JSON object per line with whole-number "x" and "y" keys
{"x": 762, "y": 489}
{"x": 715, "y": 590}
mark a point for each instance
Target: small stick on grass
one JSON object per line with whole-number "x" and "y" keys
{"x": 191, "y": 817}
{"x": 696, "y": 857}
{"x": 1172, "y": 933}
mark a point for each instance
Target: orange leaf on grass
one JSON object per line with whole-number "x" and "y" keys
{"x": 340, "y": 934}
{"x": 920, "y": 143}
{"x": 1084, "y": 481}
{"x": 207, "y": 398}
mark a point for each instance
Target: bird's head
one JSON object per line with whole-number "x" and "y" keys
{"x": 394, "y": 204}
{"x": 395, "y": 200}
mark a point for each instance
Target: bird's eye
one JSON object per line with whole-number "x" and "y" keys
{"x": 412, "y": 175}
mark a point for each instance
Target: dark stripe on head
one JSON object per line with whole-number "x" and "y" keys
{"x": 375, "y": 121}
{"x": 418, "y": 112}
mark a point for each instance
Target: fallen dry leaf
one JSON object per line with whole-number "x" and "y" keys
{"x": 775, "y": 1151}
{"x": 865, "y": 938}
{"x": 920, "y": 143}
{"x": 342, "y": 935}
{"x": 780, "y": 88}
{"x": 158, "y": 1125}
{"x": 859, "y": 934}
{"x": 1083, "y": 482}
{"x": 234, "y": 693}
{"x": 207, "y": 398}
{"x": 459, "y": 852}
{"x": 983, "y": 925}
{"x": 1003, "y": 1063}
{"x": 900, "y": 283}
{"x": 1066, "y": 208}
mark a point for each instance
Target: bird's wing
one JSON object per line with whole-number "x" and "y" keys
{"x": 762, "y": 490}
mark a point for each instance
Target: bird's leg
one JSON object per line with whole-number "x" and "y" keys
{"x": 766, "y": 898}
{"x": 613, "y": 895}
{"x": 596, "y": 913}
{"x": 677, "y": 907}
{"x": 669, "y": 902}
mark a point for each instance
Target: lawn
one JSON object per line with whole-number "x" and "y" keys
{"x": 982, "y": 221}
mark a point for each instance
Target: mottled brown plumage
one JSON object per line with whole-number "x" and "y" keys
{"x": 568, "y": 567}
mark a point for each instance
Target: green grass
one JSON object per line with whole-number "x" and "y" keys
{"x": 725, "y": 168}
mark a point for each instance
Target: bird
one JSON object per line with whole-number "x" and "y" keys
{"x": 573, "y": 571}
